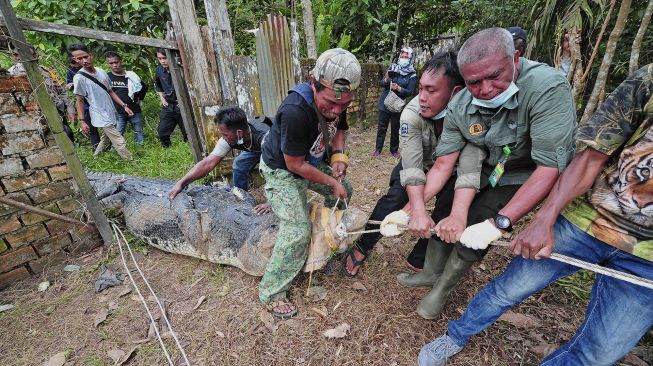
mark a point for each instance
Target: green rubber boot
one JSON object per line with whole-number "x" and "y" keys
{"x": 433, "y": 303}
{"x": 436, "y": 257}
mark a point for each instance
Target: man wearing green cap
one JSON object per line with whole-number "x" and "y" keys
{"x": 308, "y": 132}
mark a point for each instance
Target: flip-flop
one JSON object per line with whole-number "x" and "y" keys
{"x": 280, "y": 302}
{"x": 354, "y": 261}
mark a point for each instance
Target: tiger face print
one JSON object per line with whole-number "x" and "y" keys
{"x": 633, "y": 184}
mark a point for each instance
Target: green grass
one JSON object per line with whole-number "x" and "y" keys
{"x": 151, "y": 160}
{"x": 579, "y": 284}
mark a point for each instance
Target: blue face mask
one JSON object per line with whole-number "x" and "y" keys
{"x": 500, "y": 99}
{"x": 440, "y": 115}
{"x": 403, "y": 62}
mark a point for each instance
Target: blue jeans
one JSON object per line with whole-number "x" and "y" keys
{"x": 618, "y": 314}
{"x": 137, "y": 125}
{"x": 242, "y": 166}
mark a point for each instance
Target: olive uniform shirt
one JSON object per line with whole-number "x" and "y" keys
{"x": 418, "y": 139}
{"x": 538, "y": 125}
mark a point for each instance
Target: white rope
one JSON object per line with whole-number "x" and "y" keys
{"x": 630, "y": 278}
{"x": 163, "y": 313}
{"x": 153, "y": 322}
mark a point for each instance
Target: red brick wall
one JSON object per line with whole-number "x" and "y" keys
{"x": 33, "y": 171}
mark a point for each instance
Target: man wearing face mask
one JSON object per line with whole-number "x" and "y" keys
{"x": 308, "y": 133}
{"x": 236, "y": 133}
{"x": 421, "y": 126}
{"x": 521, "y": 114}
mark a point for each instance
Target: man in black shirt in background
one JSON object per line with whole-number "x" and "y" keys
{"x": 128, "y": 86}
{"x": 170, "y": 116}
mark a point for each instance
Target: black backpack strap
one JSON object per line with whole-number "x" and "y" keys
{"x": 93, "y": 79}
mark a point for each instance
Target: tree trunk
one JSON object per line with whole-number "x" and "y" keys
{"x": 394, "y": 43}
{"x": 598, "y": 40}
{"x": 602, "y": 76}
{"x": 637, "y": 43}
{"x": 309, "y": 29}
{"x": 575, "y": 75}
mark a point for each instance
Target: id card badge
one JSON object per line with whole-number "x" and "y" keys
{"x": 499, "y": 169}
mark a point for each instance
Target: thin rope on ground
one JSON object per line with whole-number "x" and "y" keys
{"x": 156, "y": 298}
{"x": 153, "y": 322}
{"x": 630, "y": 278}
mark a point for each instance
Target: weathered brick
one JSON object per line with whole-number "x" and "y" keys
{"x": 51, "y": 245}
{"x": 3, "y": 246}
{"x": 20, "y": 183}
{"x": 20, "y": 142}
{"x": 26, "y": 235}
{"x": 60, "y": 172}
{"x": 9, "y": 224}
{"x": 50, "y": 192}
{"x": 21, "y": 122}
{"x": 16, "y": 257}
{"x": 67, "y": 205}
{"x": 10, "y": 166}
{"x": 31, "y": 218}
{"x": 18, "y": 196}
{"x": 14, "y": 83}
{"x": 42, "y": 265}
{"x": 16, "y": 275}
{"x": 45, "y": 157}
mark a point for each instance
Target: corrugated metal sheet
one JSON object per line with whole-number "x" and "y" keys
{"x": 274, "y": 60}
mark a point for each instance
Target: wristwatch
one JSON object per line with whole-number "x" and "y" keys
{"x": 503, "y": 222}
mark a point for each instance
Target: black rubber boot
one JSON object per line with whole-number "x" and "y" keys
{"x": 433, "y": 303}
{"x": 436, "y": 257}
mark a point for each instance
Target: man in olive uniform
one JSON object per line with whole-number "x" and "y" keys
{"x": 521, "y": 114}
{"x": 420, "y": 128}
{"x": 309, "y": 129}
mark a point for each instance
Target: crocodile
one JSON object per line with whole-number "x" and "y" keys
{"x": 215, "y": 223}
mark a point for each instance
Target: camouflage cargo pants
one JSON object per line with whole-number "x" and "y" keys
{"x": 287, "y": 196}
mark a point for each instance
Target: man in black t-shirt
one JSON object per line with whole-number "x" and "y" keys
{"x": 128, "y": 86}
{"x": 170, "y": 115}
{"x": 295, "y": 155}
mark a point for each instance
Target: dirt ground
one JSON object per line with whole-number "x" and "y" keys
{"x": 228, "y": 328}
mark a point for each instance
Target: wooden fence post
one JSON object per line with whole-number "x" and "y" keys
{"x": 223, "y": 44}
{"x": 201, "y": 78}
{"x": 27, "y": 56}
{"x": 183, "y": 100}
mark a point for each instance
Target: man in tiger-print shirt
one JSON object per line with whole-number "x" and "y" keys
{"x": 601, "y": 211}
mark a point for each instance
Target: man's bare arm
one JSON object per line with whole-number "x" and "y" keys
{"x": 531, "y": 193}
{"x": 536, "y": 241}
{"x": 198, "y": 171}
{"x": 297, "y": 165}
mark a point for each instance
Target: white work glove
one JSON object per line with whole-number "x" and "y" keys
{"x": 395, "y": 223}
{"x": 479, "y": 236}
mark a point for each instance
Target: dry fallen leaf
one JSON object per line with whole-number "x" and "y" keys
{"x": 100, "y": 317}
{"x": 544, "y": 349}
{"x": 338, "y": 332}
{"x": 220, "y": 334}
{"x": 113, "y": 306}
{"x": 268, "y": 320}
{"x": 116, "y": 355}
{"x": 199, "y": 302}
{"x": 520, "y": 320}
{"x": 57, "y": 360}
{"x": 322, "y": 311}
{"x": 44, "y": 286}
{"x": 358, "y": 286}
{"x": 127, "y": 356}
{"x": 124, "y": 291}
{"x": 317, "y": 293}
{"x": 634, "y": 360}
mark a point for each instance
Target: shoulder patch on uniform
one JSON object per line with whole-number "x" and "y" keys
{"x": 476, "y": 129}
{"x": 403, "y": 129}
